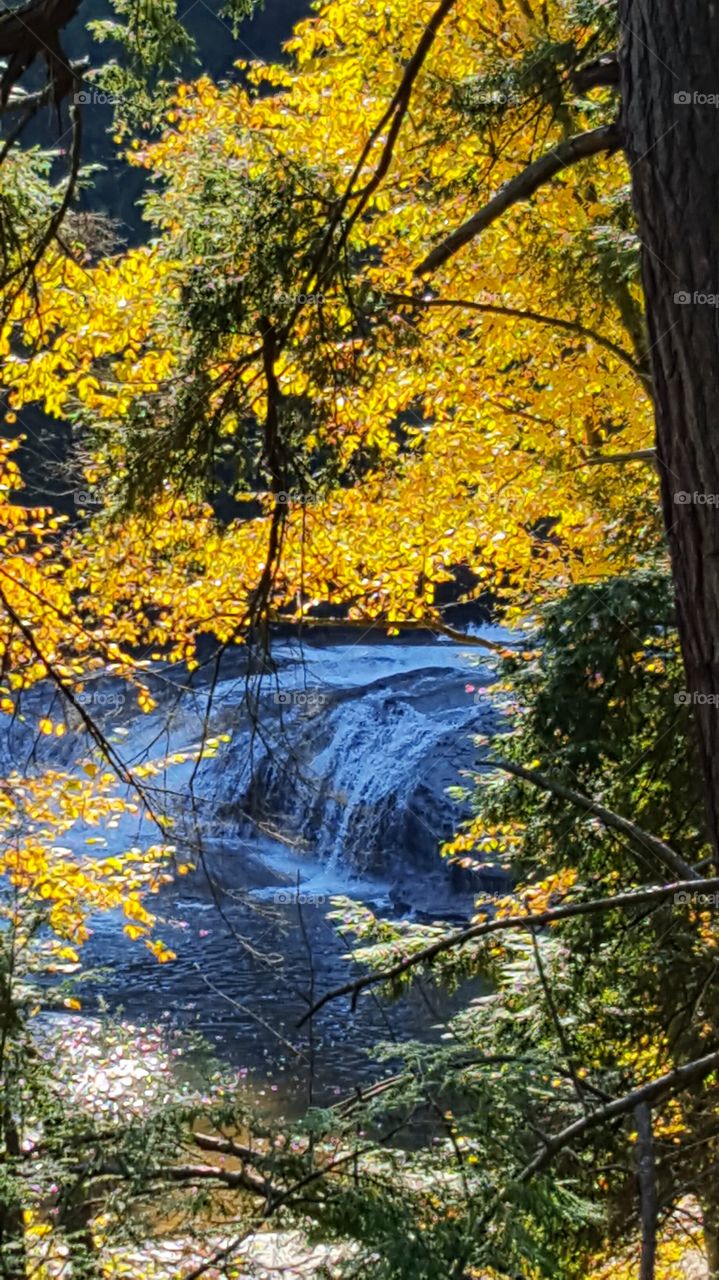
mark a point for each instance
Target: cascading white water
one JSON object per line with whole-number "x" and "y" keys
{"x": 356, "y": 749}
{"x": 345, "y": 763}
{"x": 341, "y": 785}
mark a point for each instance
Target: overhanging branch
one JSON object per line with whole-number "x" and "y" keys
{"x": 654, "y": 1091}
{"x": 605, "y": 139}
{"x": 667, "y": 856}
{"x": 654, "y": 895}
{"x": 535, "y": 317}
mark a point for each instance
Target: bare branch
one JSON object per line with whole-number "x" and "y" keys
{"x": 227, "y": 1147}
{"x": 614, "y": 821}
{"x": 237, "y": 1179}
{"x": 607, "y": 139}
{"x": 653, "y": 895}
{"x": 504, "y": 650}
{"x": 435, "y": 626}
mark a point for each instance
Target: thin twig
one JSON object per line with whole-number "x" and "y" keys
{"x": 524, "y": 313}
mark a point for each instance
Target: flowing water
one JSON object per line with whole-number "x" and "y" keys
{"x": 329, "y": 780}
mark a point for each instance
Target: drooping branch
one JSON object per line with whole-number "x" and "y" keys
{"x": 606, "y": 139}
{"x": 614, "y": 821}
{"x": 65, "y": 688}
{"x": 647, "y": 1094}
{"x": 535, "y": 317}
{"x": 654, "y": 895}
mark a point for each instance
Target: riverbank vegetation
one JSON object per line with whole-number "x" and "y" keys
{"x": 386, "y": 341}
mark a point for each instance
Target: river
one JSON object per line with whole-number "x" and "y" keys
{"x": 338, "y": 790}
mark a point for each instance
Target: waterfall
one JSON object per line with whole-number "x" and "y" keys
{"x": 338, "y": 779}
{"x": 353, "y": 755}
{"x": 340, "y": 759}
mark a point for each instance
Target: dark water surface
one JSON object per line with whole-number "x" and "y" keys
{"x": 246, "y": 1004}
{"x": 254, "y": 945}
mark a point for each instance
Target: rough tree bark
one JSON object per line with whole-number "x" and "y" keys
{"x": 669, "y": 63}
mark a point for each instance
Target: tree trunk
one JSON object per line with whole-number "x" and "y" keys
{"x": 12, "y": 1225}
{"x": 669, "y": 75}
{"x": 711, "y": 1238}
